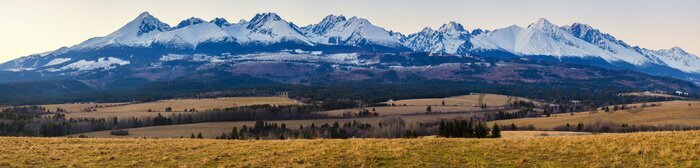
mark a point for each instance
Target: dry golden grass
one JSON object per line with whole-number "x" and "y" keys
{"x": 125, "y": 110}
{"x": 78, "y": 107}
{"x": 466, "y": 100}
{"x": 200, "y": 104}
{"x": 660, "y": 149}
{"x": 671, "y": 112}
{"x": 529, "y": 134}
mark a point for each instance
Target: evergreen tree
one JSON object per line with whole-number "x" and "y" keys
{"x": 429, "y": 109}
{"x": 234, "y": 133}
{"x": 495, "y": 131}
{"x": 579, "y": 127}
{"x": 199, "y": 136}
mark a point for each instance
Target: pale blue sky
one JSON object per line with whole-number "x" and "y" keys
{"x": 33, "y": 26}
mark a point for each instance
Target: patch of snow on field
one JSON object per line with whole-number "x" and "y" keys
{"x": 19, "y": 69}
{"x": 57, "y": 61}
{"x": 173, "y": 57}
{"x": 101, "y": 63}
{"x": 206, "y": 58}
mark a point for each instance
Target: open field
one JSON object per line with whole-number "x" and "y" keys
{"x": 671, "y": 112}
{"x": 126, "y": 110}
{"x": 464, "y": 101}
{"x": 659, "y": 149}
{"x": 141, "y": 115}
{"x": 213, "y": 129}
{"x": 649, "y": 94}
{"x": 402, "y": 110}
{"x": 80, "y": 107}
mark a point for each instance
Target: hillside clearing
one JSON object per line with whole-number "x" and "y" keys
{"x": 659, "y": 149}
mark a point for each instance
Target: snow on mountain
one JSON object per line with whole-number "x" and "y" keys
{"x": 192, "y": 35}
{"x": 57, "y": 61}
{"x": 338, "y": 30}
{"x": 138, "y": 32}
{"x": 616, "y": 48}
{"x": 447, "y": 39}
{"x": 188, "y": 22}
{"x": 676, "y": 58}
{"x": 265, "y": 28}
{"x": 101, "y": 63}
{"x": 269, "y": 28}
{"x": 540, "y": 38}
{"x": 221, "y": 22}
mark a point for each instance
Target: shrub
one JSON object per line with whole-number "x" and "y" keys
{"x": 120, "y": 132}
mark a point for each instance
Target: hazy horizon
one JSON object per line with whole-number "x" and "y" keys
{"x": 39, "y": 26}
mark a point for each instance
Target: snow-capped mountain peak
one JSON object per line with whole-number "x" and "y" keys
{"x": 221, "y": 22}
{"x": 542, "y": 23}
{"x": 328, "y": 23}
{"x": 145, "y": 23}
{"x": 189, "y": 21}
{"x": 590, "y": 34}
{"x": 261, "y": 19}
{"x": 267, "y": 28}
{"x": 449, "y": 38}
{"x": 452, "y": 27}
{"x": 135, "y": 33}
{"x": 338, "y": 30}
{"x": 541, "y": 38}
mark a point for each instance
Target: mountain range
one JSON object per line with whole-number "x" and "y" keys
{"x": 146, "y": 49}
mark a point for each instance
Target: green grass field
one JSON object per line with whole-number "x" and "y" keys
{"x": 659, "y": 149}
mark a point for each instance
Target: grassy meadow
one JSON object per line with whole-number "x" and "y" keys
{"x": 657, "y": 149}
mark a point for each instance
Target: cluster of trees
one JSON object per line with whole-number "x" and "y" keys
{"x": 522, "y": 113}
{"x": 522, "y": 104}
{"x": 625, "y": 107}
{"x": 468, "y": 129}
{"x": 34, "y": 121}
{"x": 513, "y": 127}
{"x": 610, "y": 127}
{"x": 268, "y": 130}
{"x": 362, "y": 113}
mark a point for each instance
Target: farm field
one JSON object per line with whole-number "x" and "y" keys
{"x": 462, "y": 101}
{"x": 671, "y": 112}
{"x": 213, "y": 129}
{"x": 403, "y": 110}
{"x": 80, "y": 107}
{"x": 657, "y": 149}
{"x": 127, "y": 110}
{"x": 648, "y": 94}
